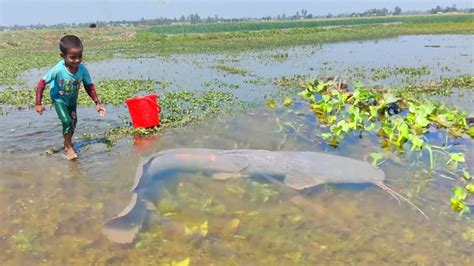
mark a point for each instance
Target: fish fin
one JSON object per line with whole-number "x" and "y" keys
{"x": 226, "y": 176}
{"x": 138, "y": 175}
{"x": 119, "y": 234}
{"x": 124, "y": 227}
{"x": 300, "y": 183}
{"x": 130, "y": 206}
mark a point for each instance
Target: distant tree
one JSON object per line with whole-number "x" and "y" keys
{"x": 194, "y": 18}
{"x": 304, "y": 12}
{"x": 451, "y": 9}
{"x": 397, "y": 11}
{"x": 435, "y": 10}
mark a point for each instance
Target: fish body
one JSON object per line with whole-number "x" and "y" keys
{"x": 298, "y": 170}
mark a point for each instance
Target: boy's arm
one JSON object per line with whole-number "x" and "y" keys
{"x": 39, "y": 96}
{"x": 50, "y": 76}
{"x": 90, "y": 89}
{"x": 39, "y": 91}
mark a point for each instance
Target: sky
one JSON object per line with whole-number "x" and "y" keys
{"x": 28, "y": 12}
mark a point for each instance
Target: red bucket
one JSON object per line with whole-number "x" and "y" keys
{"x": 144, "y": 110}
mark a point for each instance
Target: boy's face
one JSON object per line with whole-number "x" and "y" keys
{"x": 73, "y": 57}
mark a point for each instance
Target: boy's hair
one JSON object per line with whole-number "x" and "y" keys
{"x": 69, "y": 41}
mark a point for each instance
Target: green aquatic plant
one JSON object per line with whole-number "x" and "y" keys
{"x": 25, "y": 241}
{"x": 376, "y": 158}
{"x": 261, "y": 192}
{"x": 383, "y": 73}
{"x": 466, "y": 175}
{"x": 470, "y": 188}
{"x": 232, "y": 70}
{"x": 400, "y": 120}
{"x": 201, "y": 229}
{"x": 455, "y": 158}
{"x": 444, "y": 86}
{"x": 458, "y": 200}
{"x": 184, "y": 262}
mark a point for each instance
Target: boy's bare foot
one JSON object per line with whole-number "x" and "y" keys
{"x": 71, "y": 154}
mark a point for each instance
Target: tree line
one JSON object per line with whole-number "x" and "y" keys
{"x": 196, "y": 19}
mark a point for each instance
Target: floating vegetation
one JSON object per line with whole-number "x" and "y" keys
{"x": 280, "y": 56}
{"x": 401, "y": 121}
{"x": 232, "y": 70}
{"x": 444, "y": 86}
{"x": 294, "y": 81}
{"x": 181, "y": 109}
{"x": 378, "y": 74}
{"x": 113, "y": 92}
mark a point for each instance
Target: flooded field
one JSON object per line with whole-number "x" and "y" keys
{"x": 52, "y": 210}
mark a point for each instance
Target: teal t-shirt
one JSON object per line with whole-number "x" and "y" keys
{"x": 64, "y": 85}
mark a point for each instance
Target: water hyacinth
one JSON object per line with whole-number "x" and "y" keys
{"x": 400, "y": 121}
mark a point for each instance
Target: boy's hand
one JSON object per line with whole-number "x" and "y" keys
{"x": 100, "y": 109}
{"x": 39, "y": 108}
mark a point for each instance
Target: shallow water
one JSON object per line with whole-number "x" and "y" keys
{"x": 350, "y": 60}
{"x": 51, "y": 210}
{"x": 55, "y": 209}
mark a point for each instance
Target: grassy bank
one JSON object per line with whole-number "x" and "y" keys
{"x": 23, "y": 50}
{"x": 307, "y": 23}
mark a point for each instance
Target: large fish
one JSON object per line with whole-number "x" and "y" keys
{"x": 298, "y": 170}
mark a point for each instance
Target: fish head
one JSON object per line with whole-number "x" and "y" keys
{"x": 377, "y": 175}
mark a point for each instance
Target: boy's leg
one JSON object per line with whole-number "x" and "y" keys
{"x": 68, "y": 120}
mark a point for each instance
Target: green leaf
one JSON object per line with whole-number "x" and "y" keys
{"x": 390, "y": 97}
{"x": 471, "y": 132}
{"x": 326, "y": 135}
{"x": 203, "y": 229}
{"x": 466, "y": 175}
{"x": 374, "y": 111}
{"x": 459, "y": 193}
{"x": 184, "y": 262}
{"x": 470, "y": 188}
{"x": 457, "y": 157}
{"x": 458, "y": 205}
{"x": 305, "y": 94}
{"x": 416, "y": 142}
{"x": 271, "y": 104}
{"x": 376, "y": 157}
{"x": 287, "y": 102}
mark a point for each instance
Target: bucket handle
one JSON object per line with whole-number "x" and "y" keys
{"x": 157, "y": 106}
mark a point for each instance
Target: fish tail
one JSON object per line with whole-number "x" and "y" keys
{"x": 398, "y": 196}
{"x": 124, "y": 228}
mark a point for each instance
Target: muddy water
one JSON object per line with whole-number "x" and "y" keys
{"x": 51, "y": 211}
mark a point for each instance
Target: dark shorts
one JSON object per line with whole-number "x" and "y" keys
{"x": 67, "y": 115}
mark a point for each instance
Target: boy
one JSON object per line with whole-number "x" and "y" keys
{"x": 66, "y": 78}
